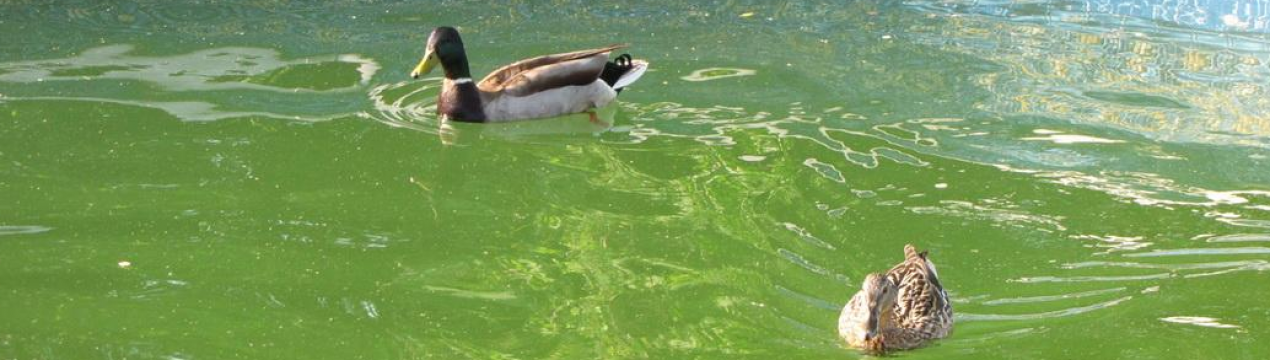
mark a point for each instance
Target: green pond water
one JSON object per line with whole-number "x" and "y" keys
{"x": 261, "y": 180}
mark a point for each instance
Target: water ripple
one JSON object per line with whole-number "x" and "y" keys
{"x": 1074, "y": 279}
{"x": 802, "y": 262}
{"x": 406, "y": 104}
{"x": 1065, "y": 139}
{"x": 1264, "y": 224}
{"x": 807, "y": 236}
{"x": 471, "y": 294}
{"x": 1238, "y": 238}
{"x": 810, "y": 300}
{"x": 712, "y": 125}
{"x": 1202, "y": 251}
{"x": 22, "y": 229}
{"x": 1151, "y": 190}
{"x": 825, "y": 170}
{"x": 717, "y": 73}
{"x": 1198, "y": 321}
{"x": 1010, "y": 217}
{"x": 1166, "y": 83}
{"x": 228, "y": 68}
{"x": 1173, "y": 267}
{"x": 963, "y": 316}
{"x": 285, "y": 88}
{"x": 1115, "y": 243}
{"x": 1047, "y": 298}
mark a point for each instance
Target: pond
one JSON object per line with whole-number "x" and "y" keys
{"x": 262, "y": 180}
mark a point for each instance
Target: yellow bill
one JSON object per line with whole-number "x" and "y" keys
{"x": 425, "y": 66}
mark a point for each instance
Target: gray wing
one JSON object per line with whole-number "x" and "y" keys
{"x": 533, "y": 75}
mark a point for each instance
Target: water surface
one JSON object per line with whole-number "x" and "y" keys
{"x": 260, "y": 179}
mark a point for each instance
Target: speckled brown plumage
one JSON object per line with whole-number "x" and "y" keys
{"x": 908, "y": 304}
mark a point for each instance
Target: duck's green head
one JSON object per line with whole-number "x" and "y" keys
{"x": 880, "y": 295}
{"x": 444, "y": 47}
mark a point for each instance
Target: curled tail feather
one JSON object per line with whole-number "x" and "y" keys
{"x": 911, "y": 252}
{"x": 622, "y": 71}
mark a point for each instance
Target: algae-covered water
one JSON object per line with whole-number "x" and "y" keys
{"x": 261, "y": 180}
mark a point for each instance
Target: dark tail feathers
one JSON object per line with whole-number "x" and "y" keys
{"x": 613, "y": 70}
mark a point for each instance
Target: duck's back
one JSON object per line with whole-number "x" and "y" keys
{"x": 921, "y": 302}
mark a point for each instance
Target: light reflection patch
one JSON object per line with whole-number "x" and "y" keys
{"x": 717, "y": 73}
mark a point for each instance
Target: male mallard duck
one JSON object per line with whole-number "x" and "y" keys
{"x": 540, "y": 87}
{"x": 904, "y": 308}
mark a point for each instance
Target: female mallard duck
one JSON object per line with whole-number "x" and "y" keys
{"x": 540, "y": 87}
{"x": 904, "y": 308}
